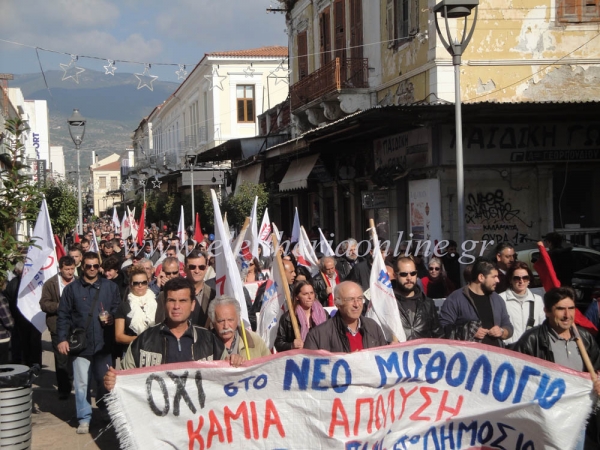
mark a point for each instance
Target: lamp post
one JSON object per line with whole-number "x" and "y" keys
{"x": 457, "y": 9}
{"x": 77, "y": 131}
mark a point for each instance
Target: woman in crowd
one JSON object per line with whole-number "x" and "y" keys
{"x": 139, "y": 310}
{"x": 309, "y": 314}
{"x": 525, "y": 308}
{"x": 254, "y": 272}
{"x": 436, "y": 284}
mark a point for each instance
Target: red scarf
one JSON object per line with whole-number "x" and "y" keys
{"x": 328, "y": 283}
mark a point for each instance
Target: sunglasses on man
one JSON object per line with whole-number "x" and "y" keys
{"x": 92, "y": 266}
{"x": 405, "y": 274}
{"x": 199, "y": 267}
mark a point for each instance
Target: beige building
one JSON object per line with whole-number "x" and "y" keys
{"x": 105, "y": 176}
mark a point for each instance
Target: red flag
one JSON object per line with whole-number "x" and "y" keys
{"x": 198, "y": 236}
{"x": 549, "y": 280}
{"x": 77, "y": 240}
{"x": 58, "y": 247}
{"x": 142, "y": 226}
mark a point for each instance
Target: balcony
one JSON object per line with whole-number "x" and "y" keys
{"x": 346, "y": 73}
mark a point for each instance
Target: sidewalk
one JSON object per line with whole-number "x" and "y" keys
{"x": 54, "y": 421}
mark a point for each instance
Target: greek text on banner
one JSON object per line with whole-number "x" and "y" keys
{"x": 426, "y": 394}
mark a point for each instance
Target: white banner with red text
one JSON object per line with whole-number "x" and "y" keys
{"x": 426, "y": 394}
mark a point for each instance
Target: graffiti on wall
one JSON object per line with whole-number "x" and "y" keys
{"x": 494, "y": 218}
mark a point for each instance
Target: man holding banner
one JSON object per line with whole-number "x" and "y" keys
{"x": 347, "y": 331}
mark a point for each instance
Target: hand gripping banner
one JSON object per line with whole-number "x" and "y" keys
{"x": 426, "y": 394}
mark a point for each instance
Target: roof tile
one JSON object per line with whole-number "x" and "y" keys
{"x": 270, "y": 51}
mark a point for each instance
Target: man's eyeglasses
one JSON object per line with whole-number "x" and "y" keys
{"x": 437, "y": 269}
{"x": 139, "y": 283}
{"x": 405, "y": 274}
{"x": 171, "y": 273}
{"x": 92, "y": 266}
{"x": 360, "y": 299}
{"x": 199, "y": 267}
{"x": 516, "y": 278}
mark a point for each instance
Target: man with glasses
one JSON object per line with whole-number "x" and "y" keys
{"x": 476, "y": 312}
{"x": 348, "y": 331}
{"x": 417, "y": 312}
{"x": 195, "y": 267}
{"x": 505, "y": 257}
{"x": 84, "y": 298}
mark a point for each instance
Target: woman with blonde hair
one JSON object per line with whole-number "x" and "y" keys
{"x": 139, "y": 310}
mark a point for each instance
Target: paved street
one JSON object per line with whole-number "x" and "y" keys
{"x": 54, "y": 421}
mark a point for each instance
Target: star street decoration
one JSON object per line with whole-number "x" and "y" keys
{"x": 279, "y": 68}
{"x": 145, "y": 79}
{"x": 211, "y": 78}
{"x": 127, "y": 185}
{"x": 71, "y": 70}
{"x": 110, "y": 68}
{"x": 142, "y": 180}
{"x": 181, "y": 73}
{"x": 156, "y": 184}
{"x": 249, "y": 71}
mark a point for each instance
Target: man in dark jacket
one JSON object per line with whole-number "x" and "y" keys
{"x": 417, "y": 312}
{"x": 555, "y": 341}
{"x": 476, "y": 312}
{"x": 76, "y": 306}
{"x": 505, "y": 258}
{"x": 51, "y": 292}
{"x": 349, "y": 259}
{"x": 176, "y": 339}
{"x": 348, "y": 331}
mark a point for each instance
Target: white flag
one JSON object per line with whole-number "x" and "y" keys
{"x": 296, "y": 228}
{"x": 383, "y": 308}
{"x": 125, "y": 227}
{"x": 305, "y": 253}
{"x": 115, "y": 219}
{"x": 181, "y": 228}
{"x": 250, "y": 244}
{"x": 94, "y": 243}
{"x": 40, "y": 265}
{"x": 273, "y": 303}
{"x": 227, "y": 276}
{"x": 325, "y": 247}
{"x": 264, "y": 234}
{"x": 133, "y": 228}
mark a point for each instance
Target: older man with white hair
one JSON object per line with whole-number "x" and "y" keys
{"x": 224, "y": 313}
{"x": 348, "y": 331}
{"x": 346, "y": 262}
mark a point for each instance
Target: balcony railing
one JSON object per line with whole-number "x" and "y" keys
{"x": 341, "y": 73}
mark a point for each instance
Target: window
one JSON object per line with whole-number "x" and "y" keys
{"x": 245, "y": 103}
{"x": 113, "y": 183}
{"x": 325, "y": 35}
{"x": 402, "y": 20}
{"x": 302, "y": 55}
{"x": 578, "y": 11}
{"x": 339, "y": 17}
{"x": 102, "y": 182}
{"x": 356, "y": 32}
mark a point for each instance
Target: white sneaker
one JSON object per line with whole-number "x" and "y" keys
{"x": 83, "y": 428}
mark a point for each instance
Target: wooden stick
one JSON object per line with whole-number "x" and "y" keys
{"x": 584, "y": 354}
{"x": 286, "y": 289}
{"x": 240, "y": 239}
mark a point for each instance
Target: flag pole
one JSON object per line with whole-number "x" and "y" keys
{"x": 286, "y": 289}
{"x": 584, "y": 354}
{"x": 245, "y": 340}
{"x": 238, "y": 242}
{"x": 375, "y": 239}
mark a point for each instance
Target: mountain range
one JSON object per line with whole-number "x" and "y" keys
{"x": 112, "y": 105}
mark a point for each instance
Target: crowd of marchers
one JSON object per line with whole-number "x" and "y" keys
{"x": 158, "y": 305}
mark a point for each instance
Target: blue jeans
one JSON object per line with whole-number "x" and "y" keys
{"x": 86, "y": 368}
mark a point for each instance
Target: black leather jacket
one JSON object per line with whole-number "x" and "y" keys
{"x": 426, "y": 323}
{"x": 536, "y": 342}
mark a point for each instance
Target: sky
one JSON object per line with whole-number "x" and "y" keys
{"x": 144, "y": 31}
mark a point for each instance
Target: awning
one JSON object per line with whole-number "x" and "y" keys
{"x": 250, "y": 174}
{"x": 297, "y": 173}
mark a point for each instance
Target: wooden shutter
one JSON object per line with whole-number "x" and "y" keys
{"x": 324, "y": 24}
{"x": 578, "y": 11}
{"x": 339, "y": 17}
{"x": 302, "y": 55}
{"x": 356, "y": 29}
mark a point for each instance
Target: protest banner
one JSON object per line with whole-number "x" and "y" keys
{"x": 425, "y": 394}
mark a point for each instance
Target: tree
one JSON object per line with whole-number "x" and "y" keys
{"x": 62, "y": 207}
{"x": 20, "y": 198}
{"x": 239, "y": 206}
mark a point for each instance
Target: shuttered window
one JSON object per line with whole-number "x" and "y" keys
{"x": 578, "y": 11}
{"x": 339, "y": 17}
{"x": 325, "y": 36}
{"x": 356, "y": 31}
{"x": 302, "y": 55}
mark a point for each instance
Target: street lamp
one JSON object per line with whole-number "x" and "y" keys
{"x": 77, "y": 131}
{"x": 457, "y": 9}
